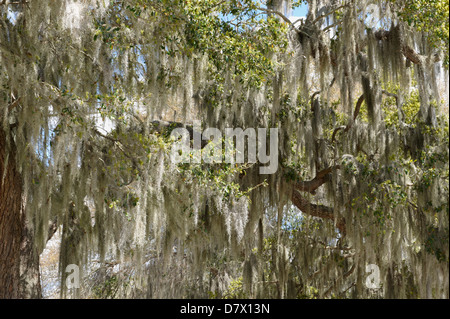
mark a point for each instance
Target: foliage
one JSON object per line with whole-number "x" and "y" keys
{"x": 235, "y": 290}
{"x": 430, "y": 17}
{"x": 89, "y": 102}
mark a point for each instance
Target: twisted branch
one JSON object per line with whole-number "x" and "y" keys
{"x": 320, "y": 211}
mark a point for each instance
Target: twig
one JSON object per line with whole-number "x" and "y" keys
{"x": 350, "y": 124}
{"x": 120, "y": 147}
{"x": 328, "y": 13}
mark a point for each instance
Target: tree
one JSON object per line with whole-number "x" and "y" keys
{"x": 91, "y": 93}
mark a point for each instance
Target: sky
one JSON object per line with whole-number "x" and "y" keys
{"x": 300, "y": 11}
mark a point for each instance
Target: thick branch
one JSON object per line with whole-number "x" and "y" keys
{"x": 320, "y": 211}
{"x": 390, "y": 94}
{"x": 405, "y": 49}
{"x": 411, "y": 55}
{"x": 321, "y": 178}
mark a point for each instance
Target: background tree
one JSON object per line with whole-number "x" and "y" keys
{"x": 90, "y": 93}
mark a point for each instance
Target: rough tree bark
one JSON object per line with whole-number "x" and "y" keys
{"x": 11, "y": 221}
{"x": 19, "y": 260}
{"x": 30, "y": 280}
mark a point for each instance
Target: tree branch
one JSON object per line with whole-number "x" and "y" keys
{"x": 332, "y": 26}
{"x": 405, "y": 49}
{"x": 328, "y": 13}
{"x": 13, "y": 104}
{"x": 320, "y": 211}
{"x": 120, "y": 147}
{"x": 321, "y": 178}
{"x": 282, "y": 16}
{"x": 350, "y": 124}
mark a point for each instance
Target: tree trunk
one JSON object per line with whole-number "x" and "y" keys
{"x": 11, "y": 221}
{"x": 19, "y": 260}
{"x": 30, "y": 280}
